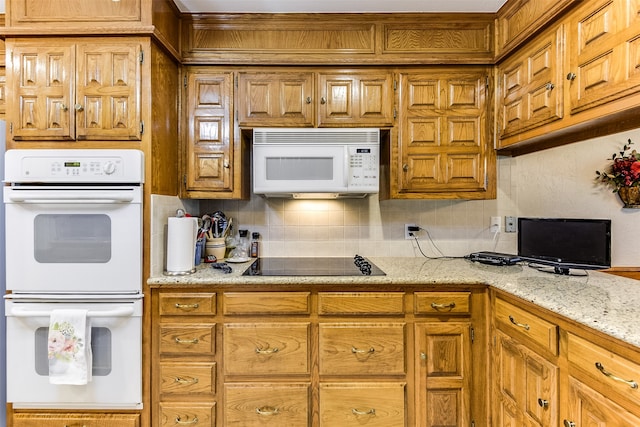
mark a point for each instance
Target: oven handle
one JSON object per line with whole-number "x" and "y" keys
{"x": 71, "y": 198}
{"x": 118, "y": 312}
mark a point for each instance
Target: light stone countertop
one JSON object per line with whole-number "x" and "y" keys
{"x": 604, "y": 302}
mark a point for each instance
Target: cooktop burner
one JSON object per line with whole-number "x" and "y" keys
{"x": 330, "y": 266}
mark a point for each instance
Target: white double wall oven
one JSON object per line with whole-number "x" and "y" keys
{"x": 74, "y": 240}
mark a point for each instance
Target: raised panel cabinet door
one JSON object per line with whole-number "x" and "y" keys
{"x": 443, "y": 370}
{"x": 108, "y": 90}
{"x": 604, "y": 54}
{"x": 40, "y": 89}
{"x": 443, "y": 143}
{"x": 526, "y": 386}
{"x": 589, "y": 408}
{"x": 275, "y": 99}
{"x": 209, "y": 146}
{"x": 364, "y": 99}
{"x": 531, "y": 85}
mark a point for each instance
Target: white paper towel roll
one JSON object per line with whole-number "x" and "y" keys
{"x": 181, "y": 245}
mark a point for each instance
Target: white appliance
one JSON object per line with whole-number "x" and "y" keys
{"x": 116, "y": 324}
{"x": 74, "y": 220}
{"x": 316, "y": 162}
{"x": 75, "y": 241}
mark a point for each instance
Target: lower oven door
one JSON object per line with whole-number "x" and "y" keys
{"x": 116, "y": 346}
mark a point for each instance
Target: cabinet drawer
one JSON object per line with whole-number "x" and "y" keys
{"x": 360, "y": 404}
{"x": 360, "y": 303}
{"x": 608, "y": 372}
{"x": 362, "y": 349}
{"x": 266, "y": 303}
{"x": 193, "y": 414}
{"x": 527, "y": 326}
{"x": 85, "y": 420}
{"x": 192, "y": 304}
{"x": 188, "y": 378}
{"x": 266, "y": 348}
{"x": 277, "y": 405}
{"x": 187, "y": 339}
{"x": 442, "y": 303}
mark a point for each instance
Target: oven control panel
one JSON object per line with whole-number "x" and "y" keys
{"x": 91, "y": 166}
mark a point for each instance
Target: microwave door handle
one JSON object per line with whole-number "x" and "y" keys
{"x": 118, "y": 312}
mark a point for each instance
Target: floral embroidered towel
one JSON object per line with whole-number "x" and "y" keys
{"x": 69, "y": 347}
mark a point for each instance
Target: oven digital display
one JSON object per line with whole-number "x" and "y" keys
{"x": 71, "y": 164}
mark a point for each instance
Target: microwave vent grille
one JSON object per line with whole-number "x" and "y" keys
{"x": 316, "y": 136}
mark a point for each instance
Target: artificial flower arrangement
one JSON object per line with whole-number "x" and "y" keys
{"x": 624, "y": 171}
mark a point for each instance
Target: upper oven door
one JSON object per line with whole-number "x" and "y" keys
{"x": 68, "y": 239}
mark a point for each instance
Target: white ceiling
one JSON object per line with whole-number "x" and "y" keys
{"x": 328, "y": 6}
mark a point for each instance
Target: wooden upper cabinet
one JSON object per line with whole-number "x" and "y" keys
{"x": 275, "y": 99}
{"x": 62, "y": 90}
{"x": 307, "y": 99}
{"x": 356, "y": 98}
{"x": 530, "y": 84}
{"x": 604, "y": 52}
{"x": 444, "y": 148}
{"x": 209, "y": 141}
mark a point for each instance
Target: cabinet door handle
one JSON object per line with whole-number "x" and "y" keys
{"x": 267, "y": 350}
{"x": 543, "y": 403}
{"x": 630, "y": 383}
{"x": 355, "y": 350}
{"x": 191, "y": 341}
{"x": 550, "y": 86}
{"x": 79, "y": 107}
{"x": 568, "y": 423}
{"x": 437, "y": 306}
{"x": 521, "y": 325}
{"x": 64, "y": 107}
{"x": 571, "y": 76}
{"x": 308, "y": 100}
{"x": 196, "y": 305}
{"x": 355, "y": 411}
{"x": 323, "y": 100}
{"x": 267, "y": 410}
{"x": 186, "y": 380}
{"x": 225, "y": 163}
{"x": 195, "y": 420}
{"x": 405, "y": 167}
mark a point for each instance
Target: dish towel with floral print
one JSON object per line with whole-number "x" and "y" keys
{"x": 69, "y": 347}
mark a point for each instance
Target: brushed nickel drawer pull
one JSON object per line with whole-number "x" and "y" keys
{"x": 543, "y": 403}
{"x": 522, "y": 325}
{"x": 196, "y": 305}
{"x": 359, "y": 351}
{"x": 550, "y": 86}
{"x": 630, "y": 383}
{"x": 195, "y": 420}
{"x": 267, "y": 350}
{"x": 191, "y": 341}
{"x": 180, "y": 380}
{"x": 437, "y": 306}
{"x": 355, "y": 411}
{"x": 267, "y": 410}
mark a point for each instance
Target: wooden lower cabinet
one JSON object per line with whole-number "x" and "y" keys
{"x": 33, "y": 419}
{"x": 362, "y": 404}
{"x": 317, "y": 358}
{"x": 587, "y": 407}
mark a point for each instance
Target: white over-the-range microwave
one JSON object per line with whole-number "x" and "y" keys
{"x": 316, "y": 162}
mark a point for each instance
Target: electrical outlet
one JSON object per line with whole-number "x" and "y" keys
{"x": 408, "y": 234}
{"x": 510, "y": 224}
{"x": 495, "y": 224}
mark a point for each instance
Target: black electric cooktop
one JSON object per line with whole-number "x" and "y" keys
{"x": 308, "y": 266}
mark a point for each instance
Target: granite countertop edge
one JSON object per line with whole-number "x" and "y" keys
{"x": 601, "y": 301}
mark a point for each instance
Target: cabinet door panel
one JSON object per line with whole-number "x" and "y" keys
{"x": 41, "y": 82}
{"x": 589, "y": 408}
{"x": 443, "y": 374}
{"x": 210, "y": 135}
{"x": 260, "y": 405}
{"x": 88, "y": 420}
